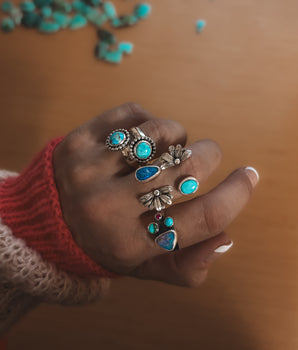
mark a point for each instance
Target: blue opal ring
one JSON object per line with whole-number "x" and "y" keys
{"x": 163, "y": 232}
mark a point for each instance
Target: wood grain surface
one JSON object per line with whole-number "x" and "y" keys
{"x": 237, "y": 82}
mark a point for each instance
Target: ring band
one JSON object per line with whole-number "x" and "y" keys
{"x": 164, "y": 233}
{"x": 158, "y": 198}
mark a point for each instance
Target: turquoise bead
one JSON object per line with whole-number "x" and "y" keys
{"x": 6, "y": 6}
{"x": 62, "y": 19}
{"x": 16, "y": 14}
{"x": 106, "y": 36}
{"x": 143, "y": 150}
{"x": 188, "y": 186}
{"x": 117, "y": 137}
{"x": 27, "y": 6}
{"x": 125, "y": 47}
{"x": 101, "y": 49}
{"x": 169, "y": 222}
{"x": 46, "y": 11}
{"x": 153, "y": 228}
{"x": 79, "y": 6}
{"x": 200, "y": 25}
{"x": 78, "y": 21}
{"x": 48, "y": 27}
{"x": 42, "y": 3}
{"x": 167, "y": 240}
{"x": 62, "y": 6}
{"x": 142, "y": 10}
{"x": 31, "y": 20}
{"x": 147, "y": 173}
{"x": 113, "y": 56}
{"x": 109, "y": 10}
{"x": 7, "y": 24}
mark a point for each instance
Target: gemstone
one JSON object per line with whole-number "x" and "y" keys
{"x": 142, "y": 10}
{"x": 27, "y": 6}
{"x": 62, "y": 6}
{"x": 169, "y": 222}
{"x": 147, "y": 173}
{"x": 200, "y": 25}
{"x": 31, "y": 20}
{"x": 158, "y": 216}
{"x": 42, "y": 3}
{"x": 6, "y": 6}
{"x": 167, "y": 240}
{"x": 188, "y": 186}
{"x": 125, "y": 47}
{"x": 106, "y": 36}
{"x": 46, "y": 11}
{"x": 62, "y": 19}
{"x": 78, "y": 21}
{"x": 113, "y": 56}
{"x": 153, "y": 228}
{"x": 143, "y": 150}
{"x": 48, "y": 27}
{"x": 79, "y": 6}
{"x": 7, "y": 24}
{"x": 101, "y": 49}
{"x": 109, "y": 10}
{"x": 117, "y": 137}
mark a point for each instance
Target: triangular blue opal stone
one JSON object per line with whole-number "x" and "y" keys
{"x": 167, "y": 240}
{"x": 147, "y": 173}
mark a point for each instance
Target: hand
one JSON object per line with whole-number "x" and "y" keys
{"x": 99, "y": 199}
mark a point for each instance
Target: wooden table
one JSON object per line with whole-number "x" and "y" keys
{"x": 237, "y": 82}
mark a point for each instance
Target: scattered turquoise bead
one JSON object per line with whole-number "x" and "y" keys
{"x": 106, "y": 36}
{"x": 62, "y": 19}
{"x": 101, "y": 49}
{"x": 79, "y": 6}
{"x": 95, "y": 2}
{"x": 16, "y": 14}
{"x": 117, "y": 137}
{"x": 46, "y": 11}
{"x": 153, "y": 228}
{"x": 143, "y": 150}
{"x": 146, "y": 173}
{"x": 77, "y": 21}
{"x": 169, "y": 222}
{"x": 61, "y": 6}
{"x": 124, "y": 21}
{"x": 116, "y": 22}
{"x": 27, "y": 6}
{"x": 31, "y": 20}
{"x": 109, "y": 10}
{"x": 99, "y": 20}
{"x": 7, "y": 6}
{"x": 113, "y": 56}
{"x": 48, "y": 27}
{"x": 166, "y": 240}
{"x": 200, "y": 25}
{"x": 42, "y": 3}
{"x": 189, "y": 186}
{"x": 142, "y": 10}
{"x": 125, "y": 47}
{"x": 7, "y": 24}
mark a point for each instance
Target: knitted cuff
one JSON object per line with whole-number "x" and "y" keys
{"x": 29, "y": 205}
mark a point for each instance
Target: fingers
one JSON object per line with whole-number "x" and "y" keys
{"x": 205, "y": 158}
{"x": 185, "y": 267}
{"x": 204, "y": 217}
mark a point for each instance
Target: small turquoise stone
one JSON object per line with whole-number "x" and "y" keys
{"x": 142, "y": 10}
{"x": 125, "y": 47}
{"x": 143, "y": 150}
{"x": 27, "y": 6}
{"x": 200, "y": 25}
{"x": 101, "y": 49}
{"x": 46, "y": 11}
{"x": 31, "y": 20}
{"x": 109, "y": 10}
{"x": 78, "y": 21}
{"x": 99, "y": 20}
{"x": 166, "y": 240}
{"x": 189, "y": 186}
{"x": 106, "y": 36}
{"x": 60, "y": 5}
{"x": 117, "y": 137}
{"x": 7, "y": 6}
{"x": 113, "y": 56}
{"x": 42, "y": 3}
{"x": 7, "y": 24}
{"x": 16, "y": 14}
{"x": 153, "y": 228}
{"x": 79, "y": 6}
{"x": 48, "y": 27}
{"x": 169, "y": 222}
{"x": 62, "y": 19}
{"x": 147, "y": 172}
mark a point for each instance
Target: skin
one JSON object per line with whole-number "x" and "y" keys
{"x": 99, "y": 199}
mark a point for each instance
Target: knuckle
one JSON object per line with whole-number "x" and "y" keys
{"x": 214, "y": 217}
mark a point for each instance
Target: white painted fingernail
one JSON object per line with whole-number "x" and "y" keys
{"x": 224, "y": 248}
{"x": 255, "y": 176}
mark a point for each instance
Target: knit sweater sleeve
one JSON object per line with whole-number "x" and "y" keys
{"x": 39, "y": 260}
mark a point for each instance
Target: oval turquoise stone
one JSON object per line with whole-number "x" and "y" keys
{"x": 169, "y": 222}
{"x": 143, "y": 150}
{"x": 153, "y": 228}
{"x": 147, "y": 172}
{"x": 117, "y": 137}
{"x": 189, "y": 186}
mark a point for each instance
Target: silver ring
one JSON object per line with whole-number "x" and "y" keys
{"x": 118, "y": 139}
{"x": 163, "y": 231}
{"x": 158, "y": 198}
{"x": 174, "y": 157}
{"x": 141, "y": 148}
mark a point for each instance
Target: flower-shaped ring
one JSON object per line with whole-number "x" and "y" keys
{"x": 158, "y": 198}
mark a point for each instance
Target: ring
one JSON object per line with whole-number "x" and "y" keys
{"x": 175, "y": 156}
{"x": 158, "y": 198}
{"x": 135, "y": 145}
{"x": 189, "y": 185}
{"x": 163, "y": 231}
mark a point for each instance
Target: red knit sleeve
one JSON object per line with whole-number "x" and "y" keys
{"x": 29, "y": 205}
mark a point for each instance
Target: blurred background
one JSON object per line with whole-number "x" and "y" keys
{"x": 236, "y": 82}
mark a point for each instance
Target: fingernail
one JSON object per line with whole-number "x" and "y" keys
{"x": 253, "y": 175}
{"x": 224, "y": 248}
